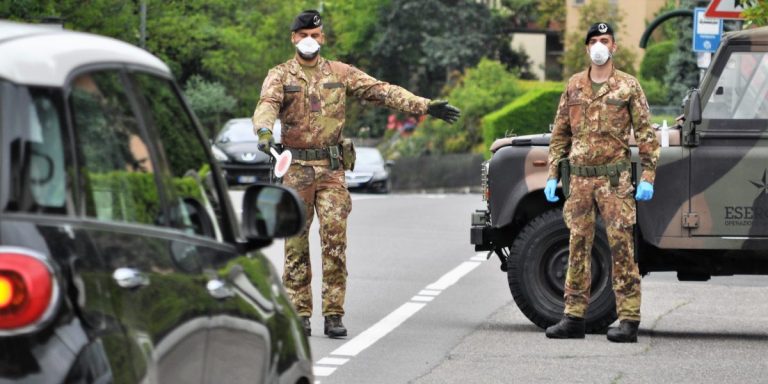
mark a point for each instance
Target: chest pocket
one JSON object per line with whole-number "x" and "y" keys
{"x": 293, "y": 104}
{"x": 576, "y": 115}
{"x": 332, "y": 93}
{"x": 618, "y": 114}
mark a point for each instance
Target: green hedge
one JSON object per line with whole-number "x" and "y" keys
{"x": 132, "y": 196}
{"x": 530, "y": 113}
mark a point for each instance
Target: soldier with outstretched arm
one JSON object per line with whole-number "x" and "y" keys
{"x": 598, "y": 111}
{"x": 308, "y": 93}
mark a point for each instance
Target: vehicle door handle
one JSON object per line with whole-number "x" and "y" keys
{"x": 218, "y": 289}
{"x": 130, "y": 278}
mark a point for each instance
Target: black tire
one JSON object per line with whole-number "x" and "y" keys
{"x": 537, "y": 262}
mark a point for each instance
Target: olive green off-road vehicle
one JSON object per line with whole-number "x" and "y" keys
{"x": 708, "y": 216}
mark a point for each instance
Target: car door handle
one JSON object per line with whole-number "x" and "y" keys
{"x": 130, "y": 278}
{"x": 218, "y": 289}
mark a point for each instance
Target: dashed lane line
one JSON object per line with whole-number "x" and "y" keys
{"x": 341, "y": 355}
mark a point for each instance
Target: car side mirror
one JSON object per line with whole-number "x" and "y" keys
{"x": 389, "y": 163}
{"x": 693, "y": 114}
{"x": 272, "y": 211}
{"x": 692, "y": 118}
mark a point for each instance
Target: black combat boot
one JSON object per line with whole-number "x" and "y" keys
{"x": 570, "y": 327}
{"x": 334, "y": 327}
{"x": 625, "y": 333}
{"x": 305, "y": 325}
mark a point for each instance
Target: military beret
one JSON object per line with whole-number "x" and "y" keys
{"x": 307, "y": 20}
{"x": 598, "y": 29}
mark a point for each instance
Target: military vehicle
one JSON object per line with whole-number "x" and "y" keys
{"x": 708, "y": 216}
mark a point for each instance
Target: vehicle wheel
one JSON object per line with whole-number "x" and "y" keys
{"x": 537, "y": 263}
{"x": 387, "y": 187}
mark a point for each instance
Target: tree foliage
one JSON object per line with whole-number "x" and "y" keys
{"x": 483, "y": 89}
{"x": 656, "y": 60}
{"x": 420, "y": 42}
{"x": 209, "y": 101}
{"x": 575, "y": 58}
{"x": 757, "y": 14}
{"x": 683, "y": 73}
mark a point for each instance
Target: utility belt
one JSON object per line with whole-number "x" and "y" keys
{"x": 613, "y": 171}
{"x": 311, "y": 153}
{"x": 339, "y": 155}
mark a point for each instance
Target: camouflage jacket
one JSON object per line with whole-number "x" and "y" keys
{"x": 594, "y": 129}
{"x": 312, "y": 110}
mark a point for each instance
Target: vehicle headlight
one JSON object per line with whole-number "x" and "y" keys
{"x": 218, "y": 154}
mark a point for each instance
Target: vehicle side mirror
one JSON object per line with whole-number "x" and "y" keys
{"x": 389, "y": 163}
{"x": 692, "y": 118}
{"x": 272, "y": 211}
{"x": 693, "y": 114}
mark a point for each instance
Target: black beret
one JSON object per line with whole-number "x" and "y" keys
{"x": 598, "y": 29}
{"x": 308, "y": 19}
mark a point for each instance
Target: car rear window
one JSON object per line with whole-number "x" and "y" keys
{"x": 33, "y": 139}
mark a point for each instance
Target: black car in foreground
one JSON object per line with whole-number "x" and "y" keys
{"x": 121, "y": 258}
{"x": 236, "y": 149}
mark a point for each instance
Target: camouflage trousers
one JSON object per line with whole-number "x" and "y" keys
{"x": 324, "y": 190}
{"x": 617, "y": 208}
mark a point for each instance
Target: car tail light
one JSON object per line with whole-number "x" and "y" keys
{"x": 28, "y": 291}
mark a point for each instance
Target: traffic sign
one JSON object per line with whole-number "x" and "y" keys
{"x": 706, "y": 31}
{"x": 727, "y": 9}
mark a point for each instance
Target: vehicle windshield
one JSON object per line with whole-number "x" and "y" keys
{"x": 240, "y": 131}
{"x": 368, "y": 156}
{"x": 742, "y": 89}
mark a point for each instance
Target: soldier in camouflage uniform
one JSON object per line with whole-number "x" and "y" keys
{"x": 308, "y": 93}
{"x": 595, "y": 117}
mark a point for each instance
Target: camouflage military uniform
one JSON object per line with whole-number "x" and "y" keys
{"x": 312, "y": 116}
{"x": 593, "y": 130}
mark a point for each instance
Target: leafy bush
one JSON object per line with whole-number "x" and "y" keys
{"x": 482, "y": 89}
{"x": 528, "y": 114}
{"x": 656, "y": 60}
{"x": 655, "y": 91}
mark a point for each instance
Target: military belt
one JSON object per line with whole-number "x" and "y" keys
{"x": 333, "y": 153}
{"x": 611, "y": 170}
{"x": 309, "y": 154}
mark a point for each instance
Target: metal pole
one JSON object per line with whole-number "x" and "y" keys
{"x": 143, "y": 24}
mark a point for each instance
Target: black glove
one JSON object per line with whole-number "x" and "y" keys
{"x": 442, "y": 110}
{"x": 265, "y": 139}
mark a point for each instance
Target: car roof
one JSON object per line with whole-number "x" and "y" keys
{"x": 40, "y": 55}
{"x": 748, "y": 36}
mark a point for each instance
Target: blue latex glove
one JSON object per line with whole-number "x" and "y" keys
{"x": 644, "y": 191}
{"x": 549, "y": 191}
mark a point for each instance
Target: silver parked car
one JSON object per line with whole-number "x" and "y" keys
{"x": 372, "y": 173}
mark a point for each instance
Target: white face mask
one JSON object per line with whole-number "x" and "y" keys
{"x": 308, "y": 47}
{"x": 599, "y": 53}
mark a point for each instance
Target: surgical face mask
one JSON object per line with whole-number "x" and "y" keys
{"x": 599, "y": 53}
{"x": 308, "y": 48}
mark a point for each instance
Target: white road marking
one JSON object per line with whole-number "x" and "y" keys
{"x": 393, "y": 320}
{"x": 332, "y": 361}
{"x": 378, "y": 330}
{"x": 480, "y": 257}
{"x": 453, "y": 276}
{"x": 323, "y": 371}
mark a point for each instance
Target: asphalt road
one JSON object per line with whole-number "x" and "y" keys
{"x": 423, "y": 307}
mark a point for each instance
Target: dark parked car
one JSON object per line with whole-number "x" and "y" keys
{"x": 236, "y": 149}
{"x": 371, "y": 172}
{"x": 121, "y": 259}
